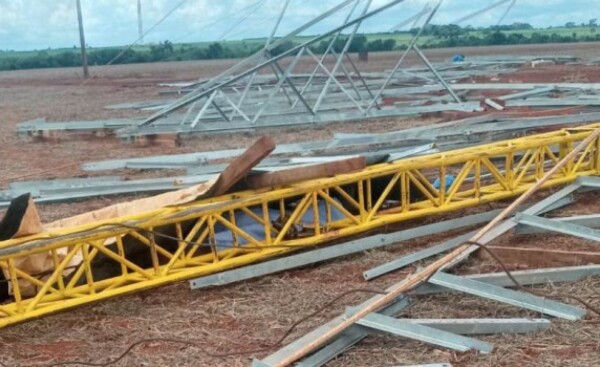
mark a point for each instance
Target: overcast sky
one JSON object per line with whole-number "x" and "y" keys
{"x": 40, "y": 24}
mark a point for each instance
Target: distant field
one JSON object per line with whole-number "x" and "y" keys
{"x": 401, "y": 38}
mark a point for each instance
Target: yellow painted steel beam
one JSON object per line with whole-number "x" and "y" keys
{"x": 95, "y": 262}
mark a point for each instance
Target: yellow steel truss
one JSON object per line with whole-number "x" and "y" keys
{"x": 186, "y": 241}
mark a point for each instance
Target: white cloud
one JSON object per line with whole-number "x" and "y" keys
{"x": 38, "y": 24}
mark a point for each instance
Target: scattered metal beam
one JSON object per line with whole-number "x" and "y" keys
{"x": 519, "y": 299}
{"x": 591, "y": 221}
{"x": 483, "y": 326}
{"x": 423, "y": 333}
{"x": 524, "y": 277}
{"x": 558, "y": 226}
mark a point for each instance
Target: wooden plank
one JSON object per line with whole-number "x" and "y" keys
{"x": 242, "y": 166}
{"x": 535, "y": 258}
{"x": 284, "y": 177}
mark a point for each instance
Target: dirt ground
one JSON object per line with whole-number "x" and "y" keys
{"x": 253, "y": 314}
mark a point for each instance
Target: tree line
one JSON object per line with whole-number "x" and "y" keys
{"x": 434, "y": 36}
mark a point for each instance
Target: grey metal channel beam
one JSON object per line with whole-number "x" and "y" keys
{"x": 589, "y": 182}
{"x": 590, "y": 221}
{"x": 311, "y": 257}
{"x": 552, "y": 102}
{"x": 519, "y": 299}
{"x": 558, "y": 226}
{"x": 525, "y": 277}
{"x": 483, "y": 326}
{"x": 423, "y": 333}
{"x": 526, "y": 93}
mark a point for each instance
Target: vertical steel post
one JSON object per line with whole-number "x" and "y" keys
{"x": 410, "y": 46}
{"x": 84, "y": 59}
{"x": 140, "y": 24}
{"x": 340, "y": 59}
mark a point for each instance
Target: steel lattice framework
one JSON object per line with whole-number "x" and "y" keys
{"x": 208, "y": 236}
{"x": 268, "y": 89}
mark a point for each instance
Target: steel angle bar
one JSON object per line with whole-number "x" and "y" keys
{"x": 483, "y": 326}
{"x": 515, "y": 298}
{"x": 508, "y": 9}
{"x": 413, "y": 19}
{"x": 340, "y": 59}
{"x": 481, "y": 11}
{"x": 236, "y": 108}
{"x": 551, "y": 102}
{"x": 295, "y": 90}
{"x": 335, "y": 251}
{"x": 539, "y": 276}
{"x": 274, "y": 31}
{"x": 423, "y": 333}
{"x": 527, "y": 93}
{"x": 558, "y": 226}
{"x": 337, "y": 82}
{"x": 204, "y": 108}
{"x": 523, "y": 277}
{"x": 493, "y": 104}
{"x": 589, "y": 221}
{"x": 324, "y": 55}
{"x": 413, "y": 41}
{"x": 284, "y": 78}
{"x": 589, "y": 182}
{"x": 436, "y": 74}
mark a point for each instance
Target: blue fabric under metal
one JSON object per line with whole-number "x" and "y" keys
{"x": 255, "y": 229}
{"x": 449, "y": 181}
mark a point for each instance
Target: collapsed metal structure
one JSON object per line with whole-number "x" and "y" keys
{"x": 209, "y": 236}
{"x": 262, "y": 91}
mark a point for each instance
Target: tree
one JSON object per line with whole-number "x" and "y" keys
{"x": 215, "y": 51}
{"x": 358, "y": 44}
{"x": 570, "y": 25}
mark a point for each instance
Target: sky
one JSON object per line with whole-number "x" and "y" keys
{"x": 42, "y": 24}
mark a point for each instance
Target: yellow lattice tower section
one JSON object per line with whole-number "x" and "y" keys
{"x": 184, "y": 242}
